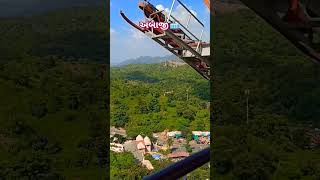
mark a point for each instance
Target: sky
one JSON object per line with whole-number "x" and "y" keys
{"x": 127, "y": 42}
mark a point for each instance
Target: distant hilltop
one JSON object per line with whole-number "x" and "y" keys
{"x": 174, "y": 63}
{"x": 148, "y": 60}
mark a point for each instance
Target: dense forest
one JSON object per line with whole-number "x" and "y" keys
{"x": 252, "y": 61}
{"x": 53, "y": 87}
{"x": 150, "y": 98}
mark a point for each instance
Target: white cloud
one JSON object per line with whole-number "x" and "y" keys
{"x": 137, "y": 35}
{"x": 112, "y": 31}
{"x": 182, "y": 14}
{"x": 179, "y": 12}
{"x": 131, "y": 44}
{"x": 160, "y": 7}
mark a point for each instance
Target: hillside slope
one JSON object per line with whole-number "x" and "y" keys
{"x": 152, "y": 98}
{"x": 53, "y": 96}
{"x": 147, "y": 60}
{"x": 79, "y": 37}
{"x": 283, "y": 84}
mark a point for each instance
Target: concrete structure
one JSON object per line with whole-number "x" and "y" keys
{"x": 201, "y": 134}
{"x": 141, "y": 146}
{"x": 147, "y": 143}
{"x": 119, "y": 131}
{"x": 162, "y": 138}
{"x": 131, "y": 146}
{"x": 174, "y": 134}
{"x": 139, "y": 138}
{"x": 177, "y": 156}
{"x": 147, "y": 164}
{"x": 115, "y": 147}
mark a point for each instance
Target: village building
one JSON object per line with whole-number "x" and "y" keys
{"x": 141, "y": 147}
{"x": 202, "y": 137}
{"x": 174, "y": 134}
{"x": 156, "y": 156}
{"x": 177, "y": 156}
{"x": 161, "y": 143}
{"x": 156, "y": 135}
{"x": 147, "y": 143}
{"x": 139, "y": 138}
{"x": 115, "y": 147}
{"x": 138, "y": 147}
{"x": 144, "y": 145}
{"x": 115, "y": 140}
{"x": 119, "y": 131}
{"x": 147, "y": 164}
{"x": 131, "y": 146}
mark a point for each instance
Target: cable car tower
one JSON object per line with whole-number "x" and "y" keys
{"x": 177, "y": 37}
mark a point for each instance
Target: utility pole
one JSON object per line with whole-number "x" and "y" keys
{"x": 187, "y": 94}
{"x": 247, "y": 92}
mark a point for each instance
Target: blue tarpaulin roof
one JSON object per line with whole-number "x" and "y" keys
{"x": 156, "y": 156}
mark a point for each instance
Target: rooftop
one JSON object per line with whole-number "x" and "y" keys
{"x": 178, "y": 154}
{"x": 120, "y": 131}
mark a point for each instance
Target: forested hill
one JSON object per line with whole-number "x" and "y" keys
{"x": 53, "y": 88}
{"x": 151, "y": 98}
{"x": 281, "y": 79}
{"x": 77, "y": 34}
{"x": 275, "y": 141}
{"x": 147, "y": 60}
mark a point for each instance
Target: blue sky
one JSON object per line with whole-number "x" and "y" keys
{"x": 126, "y": 42}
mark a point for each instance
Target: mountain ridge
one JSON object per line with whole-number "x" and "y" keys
{"x": 146, "y": 60}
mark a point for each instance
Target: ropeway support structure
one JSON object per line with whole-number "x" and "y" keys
{"x": 297, "y": 20}
{"x": 178, "y": 38}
